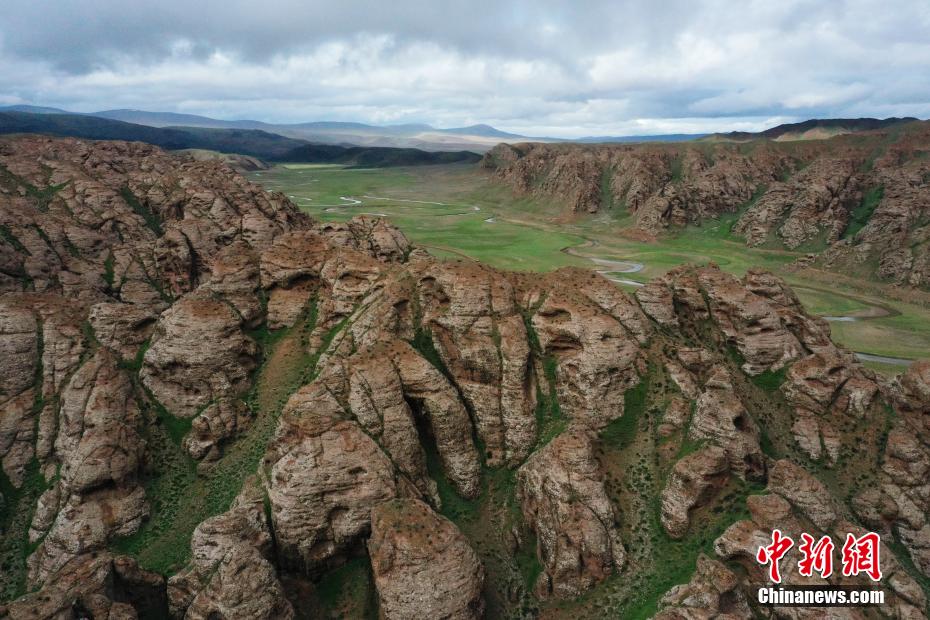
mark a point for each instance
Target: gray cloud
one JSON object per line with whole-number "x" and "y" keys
{"x": 542, "y": 67}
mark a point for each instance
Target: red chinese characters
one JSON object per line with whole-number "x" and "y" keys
{"x": 817, "y": 556}
{"x": 859, "y": 555}
{"x": 772, "y": 553}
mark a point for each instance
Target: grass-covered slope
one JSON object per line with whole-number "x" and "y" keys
{"x": 253, "y": 142}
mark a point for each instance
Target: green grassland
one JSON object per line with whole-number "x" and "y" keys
{"x": 408, "y": 196}
{"x": 459, "y": 211}
{"x": 181, "y": 496}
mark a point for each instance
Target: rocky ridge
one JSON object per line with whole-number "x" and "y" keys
{"x": 858, "y": 201}
{"x": 445, "y": 439}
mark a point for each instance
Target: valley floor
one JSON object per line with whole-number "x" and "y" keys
{"x": 457, "y": 211}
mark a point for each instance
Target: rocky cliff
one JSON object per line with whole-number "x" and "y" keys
{"x": 215, "y": 407}
{"x": 862, "y": 200}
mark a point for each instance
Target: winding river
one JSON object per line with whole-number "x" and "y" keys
{"x": 611, "y": 267}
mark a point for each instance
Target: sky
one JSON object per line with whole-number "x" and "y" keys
{"x": 535, "y": 67}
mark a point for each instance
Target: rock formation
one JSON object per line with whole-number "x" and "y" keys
{"x": 282, "y": 418}
{"x": 860, "y": 200}
{"x": 423, "y": 566}
{"x": 564, "y": 502}
{"x": 231, "y": 574}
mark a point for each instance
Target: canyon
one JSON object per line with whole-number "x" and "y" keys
{"x": 216, "y": 406}
{"x": 855, "y": 203}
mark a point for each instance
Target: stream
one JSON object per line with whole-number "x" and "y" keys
{"x": 610, "y": 268}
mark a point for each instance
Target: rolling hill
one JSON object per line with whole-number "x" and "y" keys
{"x": 814, "y": 129}
{"x": 252, "y": 142}
{"x": 477, "y": 138}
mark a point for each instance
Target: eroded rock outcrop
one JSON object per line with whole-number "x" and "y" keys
{"x": 860, "y": 200}
{"x": 96, "y": 586}
{"x": 899, "y": 504}
{"x": 231, "y": 574}
{"x": 817, "y": 199}
{"x": 822, "y": 387}
{"x": 97, "y": 496}
{"x": 326, "y": 475}
{"x": 198, "y": 356}
{"x": 693, "y": 479}
{"x": 720, "y": 417}
{"x": 99, "y": 239}
{"x": 423, "y": 565}
{"x": 369, "y": 235}
{"x": 713, "y": 592}
{"x": 758, "y": 316}
{"x": 471, "y": 314}
{"x": 126, "y": 219}
{"x": 597, "y": 359}
{"x": 124, "y": 328}
{"x": 398, "y": 382}
{"x": 19, "y": 348}
{"x": 562, "y": 495}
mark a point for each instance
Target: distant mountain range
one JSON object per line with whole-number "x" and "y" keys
{"x": 253, "y": 142}
{"x": 665, "y": 137}
{"x": 272, "y": 141}
{"x": 814, "y": 129}
{"x": 476, "y": 138}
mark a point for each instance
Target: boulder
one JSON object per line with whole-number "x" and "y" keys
{"x": 561, "y": 492}
{"x": 198, "y": 355}
{"x": 423, "y": 565}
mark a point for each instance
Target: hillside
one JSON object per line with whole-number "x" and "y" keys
{"x": 860, "y": 202}
{"x": 250, "y": 142}
{"x": 475, "y": 138}
{"x": 814, "y": 129}
{"x": 215, "y": 406}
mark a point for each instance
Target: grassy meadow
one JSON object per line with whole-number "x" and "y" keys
{"x": 458, "y": 211}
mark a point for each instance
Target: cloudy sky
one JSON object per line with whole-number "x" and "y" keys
{"x": 535, "y": 67}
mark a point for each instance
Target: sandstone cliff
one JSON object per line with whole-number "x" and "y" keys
{"x": 214, "y": 407}
{"x": 861, "y": 200}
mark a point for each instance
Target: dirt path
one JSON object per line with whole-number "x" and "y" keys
{"x": 894, "y": 361}
{"x": 874, "y": 309}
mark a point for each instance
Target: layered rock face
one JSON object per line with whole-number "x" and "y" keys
{"x": 562, "y": 495}
{"x": 100, "y": 586}
{"x": 231, "y": 574}
{"x": 198, "y": 355}
{"x": 713, "y": 592}
{"x": 861, "y": 200}
{"x": 115, "y": 254}
{"x": 898, "y": 503}
{"x": 313, "y": 419}
{"x": 423, "y": 565}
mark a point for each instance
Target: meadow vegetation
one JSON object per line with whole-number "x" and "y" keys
{"x": 459, "y": 212}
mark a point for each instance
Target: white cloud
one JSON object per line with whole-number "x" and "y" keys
{"x": 539, "y": 68}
